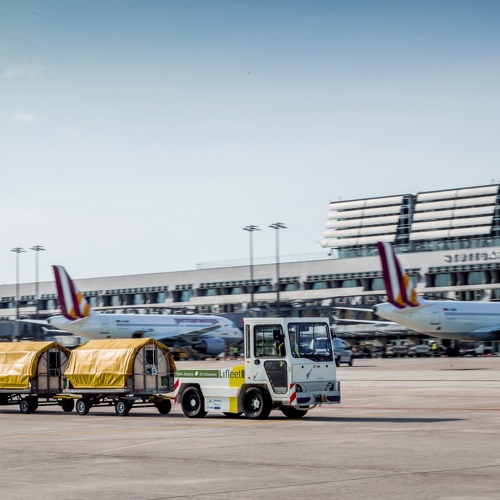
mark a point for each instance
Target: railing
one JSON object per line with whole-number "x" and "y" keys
{"x": 331, "y": 254}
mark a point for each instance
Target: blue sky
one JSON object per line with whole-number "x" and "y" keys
{"x": 141, "y": 136}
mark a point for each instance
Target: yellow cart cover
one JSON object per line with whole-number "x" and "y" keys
{"x": 108, "y": 363}
{"x": 19, "y": 362}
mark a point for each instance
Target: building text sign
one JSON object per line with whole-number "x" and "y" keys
{"x": 472, "y": 257}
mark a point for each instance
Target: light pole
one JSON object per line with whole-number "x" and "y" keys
{"x": 251, "y": 229}
{"x": 17, "y": 250}
{"x": 37, "y": 249}
{"x": 278, "y": 226}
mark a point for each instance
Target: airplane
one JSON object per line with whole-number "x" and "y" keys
{"x": 446, "y": 319}
{"x": 205, "y": 335}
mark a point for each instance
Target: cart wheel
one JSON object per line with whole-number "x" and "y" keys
{"x": 67, "y": 405}
{"x": 291, "y": 412}
{"x": 28, "y": 404}
{"x": 82, "y": 407}
{"x": 257, "y": 403}
{"x": 122, "y": 407}
{"x": 193, "y": 403}
{"x": 164, "y": 406}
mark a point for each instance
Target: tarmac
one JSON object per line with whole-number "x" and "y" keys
{"x": 405, "y": 429}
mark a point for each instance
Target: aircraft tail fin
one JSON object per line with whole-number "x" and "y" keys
{"x": 72, "y": 302}
{"x": 400, "y": 290}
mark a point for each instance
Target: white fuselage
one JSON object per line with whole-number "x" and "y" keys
{"x": 448, "y": 319}
{"x": 120, "y": 326}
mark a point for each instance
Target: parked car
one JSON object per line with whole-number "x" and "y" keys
{"x": 342, "y": 351}
{"x": 368, "y": 349}
{"x": 419, "y": 350}
{"x": 396, "y": 351}
{"x": 473, "y": 351}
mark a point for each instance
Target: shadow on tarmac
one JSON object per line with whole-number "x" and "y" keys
{"x": 271, "y": 418}
{"x": 404, "y": 420}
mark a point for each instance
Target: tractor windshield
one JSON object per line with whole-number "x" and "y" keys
{"x": 310, "y": 340}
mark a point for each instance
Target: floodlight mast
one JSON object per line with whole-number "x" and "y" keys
{"x": 251, "y": 229}
{"x": 17, "y": 251}
{"x": 277, "y": 226}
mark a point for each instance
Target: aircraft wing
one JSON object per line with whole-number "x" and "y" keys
{"x": 81, "y": 321}
{"x": 411, "y": 310}
{"x": 367, "y": 321}
{"x": 34, "y": 321}
{"x": 135, "y": 307}
{"x": 360, "y": 309}
{"x": 46, "y": 322}
{"x": 350, "y": 308}
{"x": 489, "y": 333}
{"x": 190, "y": 335}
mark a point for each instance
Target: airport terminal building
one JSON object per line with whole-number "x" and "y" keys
{"x": 448, "y": 241}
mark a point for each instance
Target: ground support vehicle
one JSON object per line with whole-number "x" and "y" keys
{"x": 397, "y": 351}
{"x": 342, "y": 352}
{"x": 280, "y": 371}
{"x": 470, "y": 349}
{"x": 32, "y": 374}
{"x": 419, "y": 350}
{"x": 124, "y": 373}
{"x": 368, "y": 349}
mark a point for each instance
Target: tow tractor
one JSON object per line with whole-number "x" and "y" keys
{"x": 280, "y": 372}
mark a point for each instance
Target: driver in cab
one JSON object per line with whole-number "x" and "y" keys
{"x": 294, "y": 345}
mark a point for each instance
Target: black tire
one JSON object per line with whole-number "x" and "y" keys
{"x": 350, "y": 362}
{"x": 82, "y": 407}
{"x": 122, "y": 407}
{"x": 24, "y": 406}
{"x": 68, "y": 405}
{"x": 257, "y": 403}
{"x": 193, "y": 403}
{"x": 28, "y": 404}
{"x": 337, "y": 362}
{"x": 291, "y": 412}
{"x": 164, "y": 406}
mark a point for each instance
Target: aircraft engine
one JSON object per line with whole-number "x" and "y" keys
{"x": 210, "y": 346}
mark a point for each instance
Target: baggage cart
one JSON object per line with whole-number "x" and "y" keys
{"x": 122, "y": 373}
{"x": 32, "y": 374}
